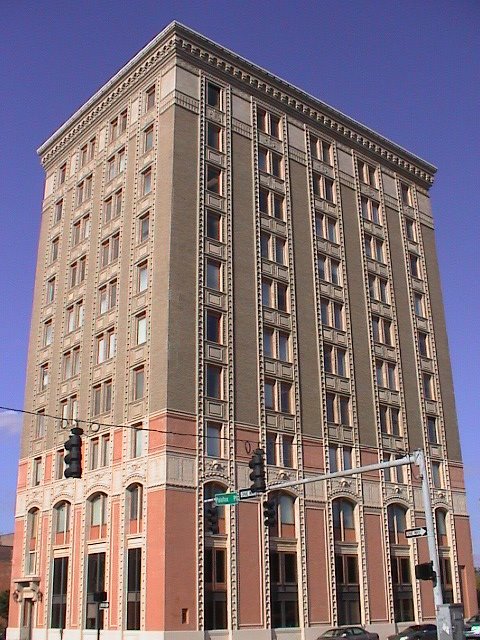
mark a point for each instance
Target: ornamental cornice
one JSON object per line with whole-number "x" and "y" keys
{"x": 176, "y": 38}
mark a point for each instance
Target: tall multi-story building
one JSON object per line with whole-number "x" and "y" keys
{"x": 224, "y": 261}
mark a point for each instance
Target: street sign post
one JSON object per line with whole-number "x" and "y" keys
{"x": 418, "y": 532}
{"x": 226, "y": 498}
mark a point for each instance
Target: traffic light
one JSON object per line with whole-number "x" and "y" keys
{"x": 269, "y": 513}
{"x": 211, "y": 515}
{"x": 257, "y": 464}
{"x": 73, "y": 459}
{"x": 425, "y": 572}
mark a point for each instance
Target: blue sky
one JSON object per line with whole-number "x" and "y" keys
{"x": 409, "y": 70}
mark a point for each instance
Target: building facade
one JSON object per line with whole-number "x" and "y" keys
{"x": 225, "y": 261}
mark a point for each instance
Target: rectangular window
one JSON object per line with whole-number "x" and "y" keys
{"x": 74, "y": 316}
{"x": 69, "y": 411}
{"x": 278, "y": 396}
{"x": 213, "y": 440}
{"x": 77, "y": 271}
{"x": 141, "y": 328}
{"x": 410, "y": 229}
{"x": 105, "y": 346}
{"x": 214, "y": 96}
{"x": 136, "y": 446}
{"x": 112, "y": 207}
{"x": 95, "y": 584}
{"x": 142, "y": 277}
{"x": 378, "y": 288}
{"x": 59, "y": 593}
{"x": 109, "y": 250}
{"x": 50, "y": 290}
{"x": 270, "y": 162}
{"x": 147, "y": 181}
{"x": 214, "y": 179}
{"x": 138, "y": 389}
{"x": 134, "y": 581}
{"x": 423, "y": 345}
{"x": 118, "y": 125}
{"x": 214, "y": 326}
{"x": 214, "y": 228}
{"x": 326, "y": 227}
{"x": 428, "y": 391}
{"x": 287, "y": 451}
{"x": 340, "y": 457}
{"x": 108, "y": 296}
{"x": 47, "y": 333}
{"x": 148, "y": 139}
{"x": 406, "y": 195}
{"x": 419, "y": 305}
{"x": 335, "y": 359}
{"x": 214, "y": 136}
{"x": 321, "y": 150}
{"x": 214, "y": 275}
{"x": 36, "y": 472}
{"x": 58, "y": 211}
{"x": 268, "y": 123}
{"x": 102, "y": 397}
{"x": 214, "y": 381}
{"x": 432, "y": 429}
{"x": 323, "y": 187}
{"x": 332, "y": 314}
{"x": 390, "y": 420}
{"x": 71, "y": 363}
{"x": 40, "y": 424}
{"x": 44, "y": 378}
{"x": 414, "y": 265}
{"x": 338, "y": 409}
{"x": 271, "y": 204}
{"x": 116, "y": 164}
{"x": 84, "y": 190}
{"x": 328, "y": 269}
{"x": 150, "y": 98}
{"x": 367, "y": 174}
{"x": 54, "y": 245}
{"x": 144, "y": 227}
{"x": 437, "y": 475}
{"x": 80, "y": 230}
{"x": 370, "y": 210}
{"x": 62, "y": 173}
{"x": 59, "y": 464}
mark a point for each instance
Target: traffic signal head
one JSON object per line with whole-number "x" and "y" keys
{"x": 269, "y": 513}
{"x": 211, "y": 516}
{"x": 73, "y": 459}
{"x": 257, "y": 476}
{"x": 425, "y": 572}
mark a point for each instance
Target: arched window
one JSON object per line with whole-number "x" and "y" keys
{"x": 134, "y": 507}
{"x": 441, "y": 522}
{"x": 98, "y": 515}
{"x": 33, "y": 517}
{"x": 62, "y": 517}
{"x": 210, "y": 491}
{"x": 344, "y": 520}
{"x": 397, "y": 523}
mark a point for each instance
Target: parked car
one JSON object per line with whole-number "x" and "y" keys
{"x": 355, "y": 633}
{"x": 472, "y": 627}
{"x": 417, "y": 632}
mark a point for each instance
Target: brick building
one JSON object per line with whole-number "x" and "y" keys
{"x": 226, "y": 260}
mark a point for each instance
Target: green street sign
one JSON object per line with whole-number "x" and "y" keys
{"x": 226, "y": 498}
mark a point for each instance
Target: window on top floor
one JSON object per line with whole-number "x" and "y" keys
{"x": 214, "y": 95}
{"x": 321, "y": 149}
{"x": 150, "y": 98}
{"x": 268, "y": 122}
{"x": 367, "y": 173}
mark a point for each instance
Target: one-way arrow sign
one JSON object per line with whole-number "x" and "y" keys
{"x": 419, "y": 532}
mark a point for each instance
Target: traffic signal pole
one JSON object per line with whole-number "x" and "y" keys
{"x": 432, "y": 547}
{"x": 418, "y": 458}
